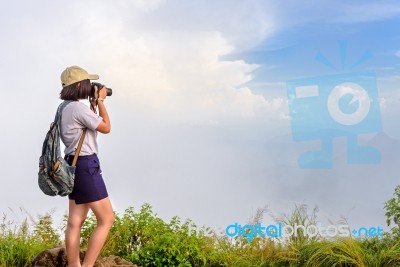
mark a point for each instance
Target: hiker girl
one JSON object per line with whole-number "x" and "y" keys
{"x": 89, "y": 189}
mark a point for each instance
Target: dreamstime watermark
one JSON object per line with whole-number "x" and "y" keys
{"x": 279, "y": 230}
{"x": 344, "y": 104}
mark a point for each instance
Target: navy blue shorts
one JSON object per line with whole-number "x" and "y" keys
{"x": 89, "y": 185}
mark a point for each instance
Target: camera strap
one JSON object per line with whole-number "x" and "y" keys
{"x": 93, "y": 101}
{"x": 93, "y": 105}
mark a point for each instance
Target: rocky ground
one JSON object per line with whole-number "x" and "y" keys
{"x": 57, "y": 257}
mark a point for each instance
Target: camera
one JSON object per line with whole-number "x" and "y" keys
{"x": 99, "y": 87}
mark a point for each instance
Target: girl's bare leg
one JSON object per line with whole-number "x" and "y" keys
{"x": 76, "y": 217}
{"x": 104, "y": 213}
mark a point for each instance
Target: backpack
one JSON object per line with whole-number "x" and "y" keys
{"x": 56, "y": 176}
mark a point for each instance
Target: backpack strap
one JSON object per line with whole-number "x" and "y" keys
{"x": 60, "y": 110}
{"x": 57, "y": 122}
{"x": 55, "y": 134}
{"x": 78, "y": 150}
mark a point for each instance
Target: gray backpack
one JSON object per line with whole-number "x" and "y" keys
{"x": 56, "y": 176}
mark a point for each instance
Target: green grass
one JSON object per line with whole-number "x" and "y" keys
{"x": 19, "y": 244}
{"x": 145, "y": 239}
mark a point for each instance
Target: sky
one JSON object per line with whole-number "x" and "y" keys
{"x": 203, "y": 126}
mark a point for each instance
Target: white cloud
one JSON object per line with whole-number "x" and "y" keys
{"x": 382, "y": 102}
{"x": 165, "y": 56}
{"x": 173, "y": 69}
{"x": 180, "y": 74}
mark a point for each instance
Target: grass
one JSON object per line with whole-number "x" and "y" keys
{"x": 19, "y": 243}
{"x": 147, "y": 240}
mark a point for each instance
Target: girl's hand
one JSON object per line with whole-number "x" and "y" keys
{"x": 98, "y": 95}
{"x": 102, "y": 93}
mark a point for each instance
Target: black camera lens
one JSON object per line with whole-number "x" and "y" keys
{"x": 99, "y": 86}
{"x": 109, "y": 91}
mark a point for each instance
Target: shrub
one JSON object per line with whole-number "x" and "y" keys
{"x": 147, "y": 240}
{"x": 18, "y": 245}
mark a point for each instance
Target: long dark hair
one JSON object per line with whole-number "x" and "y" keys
{"x": 76, "y": 91}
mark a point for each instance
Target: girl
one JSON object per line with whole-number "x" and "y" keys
{"x": 89, "y": 189}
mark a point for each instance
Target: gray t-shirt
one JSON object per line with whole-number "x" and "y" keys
{"x": 75, "y": 117}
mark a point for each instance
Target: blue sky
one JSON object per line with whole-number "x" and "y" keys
{"x": 200, "y": 116}
{"x": 293, "y": 51}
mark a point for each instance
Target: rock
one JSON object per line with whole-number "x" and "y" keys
{"x": 51, "y": 257}
{"x": 57, "y": 257}
{"x": 111, "y": 261}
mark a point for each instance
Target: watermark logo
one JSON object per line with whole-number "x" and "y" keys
{"x": 339, "y": 105}
{"x": 279, "y": 230}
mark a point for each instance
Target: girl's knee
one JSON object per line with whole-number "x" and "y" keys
{"x": 75, "y": 223}
{"x": 106, "y": 220}
{"x": 110, "y": 220}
